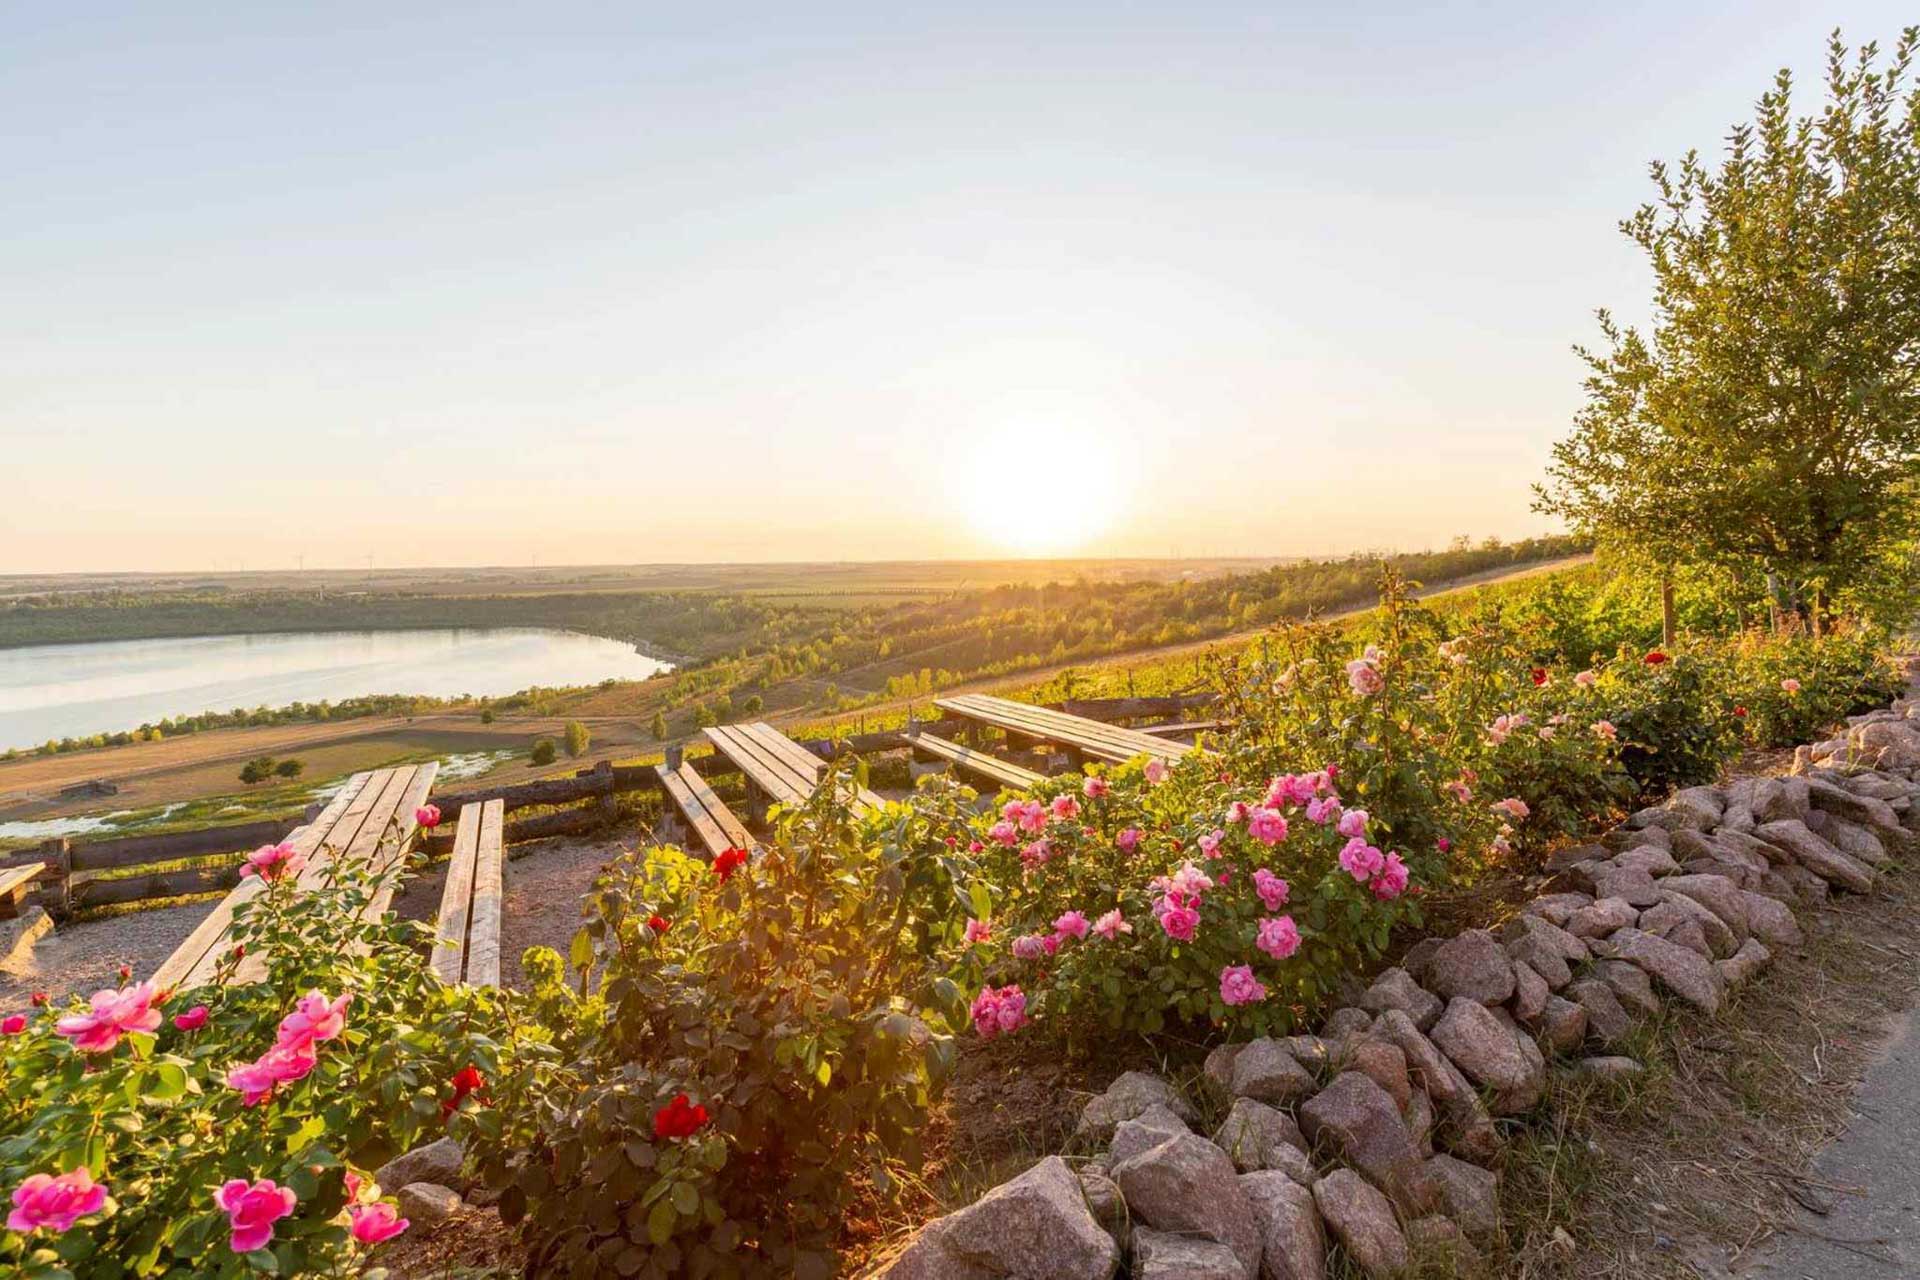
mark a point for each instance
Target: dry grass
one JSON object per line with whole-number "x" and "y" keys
{"x": 1684, "y": 1172}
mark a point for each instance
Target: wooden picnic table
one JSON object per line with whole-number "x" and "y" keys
{"x": 1001, "y": 773}
{"x": 708, "y": 820}
{"x": 776, "y": 766}
{"x": 370, "y": 820}
{"x": 1079, "y": 735}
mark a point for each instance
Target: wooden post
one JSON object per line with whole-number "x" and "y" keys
{"x": 57, "y": 853}
{"x": 1666, "y": 609}
{"x": 609, "y": 800}
{"x": 676, "y": 756}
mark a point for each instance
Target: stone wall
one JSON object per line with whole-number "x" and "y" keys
{"x": 1380, "y": 1132}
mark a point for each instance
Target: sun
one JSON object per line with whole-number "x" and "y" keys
{"x": 1039, "y": 488}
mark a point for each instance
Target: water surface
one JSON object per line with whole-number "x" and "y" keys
{"x": 77, "y": 690}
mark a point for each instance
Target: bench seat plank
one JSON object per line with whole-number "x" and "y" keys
{"x": 710, "y": 821}
{"x": 1107, "y": 742}
{"x": 483, "y": 930}
{"x": 1002, "y": 772}
{"x": 456, "y": 899}
{"x": 14, "y": 884}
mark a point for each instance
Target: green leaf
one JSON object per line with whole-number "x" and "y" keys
{"x": 660, "y": 1222}
{"x": 685, "y": 1198}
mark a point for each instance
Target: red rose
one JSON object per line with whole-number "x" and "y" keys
{"x": 1539, "y": 675}
{"x": 38, "y": 999}
{"x": 678, "y": 1119}
{"x": 1655, "y": 658}
{"x": 466, "y": 1081}
{"x": 659, "y": 924}
{"x": 1741, "y": 712}
{"x": 125, "y": 971}
{"x": 728, "y": 862}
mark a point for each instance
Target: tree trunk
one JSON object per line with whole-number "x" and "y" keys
{"x": 1666, "y": 609}
{"x": 1773, "y": 602}
{"x": 1819, "y": 611}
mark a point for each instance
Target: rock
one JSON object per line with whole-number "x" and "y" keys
{"x": 1606, "y": 1019}
{"x": 1564, "y": 1025}
{"x": 1798, "y": 883}
{"x": 1651, "y": 858}
{"x": 1162, "y": 1255}
{"x": 1494, "y": 1053}
{"x": 1037, "y": 1226}
{"x": 1420, "y": 1122}
{"x": 1679, "y": 918}
{"x": 435, "y": 1162}
{"x": 1396, "y": 989}
{"x": 1855, "y": 841}
{"x": 1622, "y": 838}
{"x": 428, "y": 1202}
{"x": 1738, "y": 814}
{"x": 1468, "y": 1129}
{"x": 1558, "y": 908}
{"x": 1610, "y": 1068}
{"x": 1129, "y": 1095}
{"x": 1295, "y": 1242}
{"x": 1541, "y": 960}
{"x": 1717, "y": 894}
{"x": 1419, "y": 955}
{"x": 1266, "y": 1072}
{"x": 1631, "y": 985}
{"x": 1816, "y": 855}
{"x": 1602, "y": 918}
{"x": 1105, "y": 1203}
{"x": 1548, "y": 937}
{"x": 1471, "y": 965}
{"x": 1769, "y": 802}
{"x": 1357, "y": 1120}
{"x": 1696, "y": 807}
{"x": 1530, "y": 992}
{"x": 1771, "y": 921}
{"x": 1382, "y": 1061}
{"x": 1219, "y": 1066}
{"x": 1342, "y": 1023}
{"x": 1148, "y": 1129}
{"x": 1253, "y": 1131}
{"x": 1187, "y": 1185}
{"x": 1630, "y": 884}
{"x": 1441, "y": 1249}
{"x": 1362, "y": 1220}
{"x": 1876, "y": 815}
{"x": 1679, "y": 970}
{"x": 929, "y": 1257}
{"x": 1468, "y": 1194}
{"x": 1749, "y": 960}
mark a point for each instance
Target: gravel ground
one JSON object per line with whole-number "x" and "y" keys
{"x": 546, "y": 879}
{"x": 82, "y": 958}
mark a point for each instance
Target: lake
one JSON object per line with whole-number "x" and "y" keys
{"x": 77, "y": 690}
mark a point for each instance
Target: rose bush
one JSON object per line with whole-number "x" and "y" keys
{"x": 747, "y": 1043}
{"x": 217, "y": 1132}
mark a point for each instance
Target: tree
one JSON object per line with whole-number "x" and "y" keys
{"x": 1769, "y": 422}
{"x": 753, "y": 705}
{"x": 486, "y": 715}
{"x": 258, "y": 769}
{"x": 289, "y": 769}
{"x": 544, "y": 752}
{"x": 578, "y": 739}
{"x": 704, "y": 718}
{"x": 659, "y": 726}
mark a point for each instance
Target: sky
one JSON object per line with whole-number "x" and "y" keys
{"x": 502, "y": 284}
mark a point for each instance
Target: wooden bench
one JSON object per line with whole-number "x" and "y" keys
{"x": 1001, "y": 773}
{"x": 15, "y": 883}
{"x": 707, "y": 819}
{"x": 775, "y": 766}
{"x": 467, "y": 939}
{"x": 369, "y": 820}
{"x": 1091, "y": 739}
{"x": 1185, "y": 729}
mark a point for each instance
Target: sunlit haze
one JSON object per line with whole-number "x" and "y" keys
{"x": 490, "y": 284}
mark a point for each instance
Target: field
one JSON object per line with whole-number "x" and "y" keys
{"x": 199, "y": 770}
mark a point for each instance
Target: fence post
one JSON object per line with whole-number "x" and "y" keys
{"x": 676, "y": 756}
{"x": 57, "y": 853}
{"x": 609, "y": 800}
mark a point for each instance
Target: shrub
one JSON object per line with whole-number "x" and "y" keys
{"x": 486, "y": 715}
{"x": 544, "y": 752}
{"x": 289, "y": 768}
{"x": 579, "y": 738}
{"x": 258, "y": 769}
{"x": 152, "y": 1107}
{"x": 749, "y": 1049}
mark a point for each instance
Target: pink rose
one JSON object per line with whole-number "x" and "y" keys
{"x": 1178, "y": 919}
{"x": 1128, "y": 840}
{"x": 1111, "y": 925}
{"x": 1239, "y": 986}
{"x": 1071, "y": 925}
{"x": 1586, "y": 679}
{"x": 1790, "y": 685}
{"x": 1210, "y": 842}
{"x": 274, "y": 861}
{"x": 1279, "y": 937}
{"x": 1272, "y": 889}
{"x": 1095, "y": 788}
{"x": 314, "y": 1019}
{"x": 1267, "y": 826}
{"x": 427, "y": 815}
{"x": 1391, "y": 881}
{"x": 1323, "y": 810}
{"x": 1513, "y": 807}
{"x": 1239, "y": 811}
{"x": 1364, "y": 679}
{"x": 113, "y": 1014}
{"x": 1156, "y": 772}
{"x": 373, "y": 1223}
{"x": 44, "y": 1201}
{"x": 997, "y": 1012}
{"x": 252, "y": 1209}
{"x": 1604, "y": 729}
{"x": 1064, "y": 808}
{"x": 1352, "y": 823}
{"x": 1361, "y": 860}
{"x": 13, "y": 1025}
{"x": 1004, "y": 833}
{"x": 1029, "y": 946}
{"x": 978, "y": 931}
{"x": 192, "y": 1020}
{"x": 257, "y": 1080}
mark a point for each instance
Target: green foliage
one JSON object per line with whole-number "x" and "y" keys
{"x": 289, "y": 769}
{"x": 544, "y": 752}
{"x": 155, "y": 1120}
{"x": 258, "y": 769}
{"x": 1769, "y": 423}
{"x": 486, "y": 715}
{"x": 773, "y": 1001}
{"x": 659, "y": 726}
{"x": 579, "y": 738}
